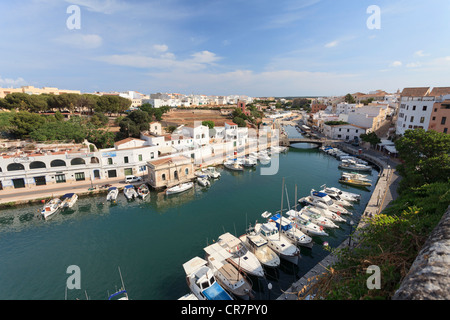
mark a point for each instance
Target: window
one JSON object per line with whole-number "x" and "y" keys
{"x": 140, "y": 157}
{"x": 414, "y": 108}
{"x": 60, "y": 178}
{"x": 110, "y": 161}
{"x": 412, "y": 119}
{"x": 79, "y": 176}
{"x": 58, "y": 163}
{"x": 37, "y": 165}
{"x": 422, "y": 119}
{"x": 125, "y": 159}
{"x": 15, "y": 167}
{"x": 163, "y": 177}
{"x": 186, "y": 171}
{"x": 77, "y": 161}
{"x": 445, "y": 130}
{"x": 444, "y": 119}
{"x": 152, "y": 155}
{"x": 434, "y": 118}
{"x": 424, "y": 108}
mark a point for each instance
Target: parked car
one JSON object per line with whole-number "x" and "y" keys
{"x": 132, "y": 179}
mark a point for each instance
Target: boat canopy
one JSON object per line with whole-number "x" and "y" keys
{"x": 319, "y": 194}
{"x": 194, "y": 264}
{"x": 216, "y": 292}
{"x": 112, "y": 188}
{"x": 129, "y": 186}
{"x": 285, "y": 224}
{"x": 67, "y": 195}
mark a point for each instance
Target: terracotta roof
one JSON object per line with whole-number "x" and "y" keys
{"x": 167, "y": 160}
{"x": 230, "y": 123}
{"x": 440, "y": 91}
{"x": 415, "y": 92}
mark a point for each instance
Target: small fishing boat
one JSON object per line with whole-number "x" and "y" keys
{"x": 241, "y": 258}
{"x": 120, "y": 294}
{"x": 212, "y": 172}
{"x": 249, "y": 162}
{"x": 260, "y": 248}
{"x": 113, "y": 192}
{"x": 202, "y": 282}
{"x": 143, "y": 191}
{"x": 304, "y": 224}
{"x": 232, "y": 165}
{"x": 226, "y": 274}
{"x": 179, "y": 188}
{"x": 51, "y": 207}
{"x": 68, "y": 200}
{"x": 130, "y": 192}
{"x": 203, "y": 182}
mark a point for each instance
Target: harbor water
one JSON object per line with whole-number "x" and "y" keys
{"x": 150, "y": 240}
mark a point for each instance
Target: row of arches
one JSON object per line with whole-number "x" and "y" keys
{"x": 55, "y": 163}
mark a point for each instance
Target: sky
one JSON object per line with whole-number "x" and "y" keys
{"x": 257, "y": 48}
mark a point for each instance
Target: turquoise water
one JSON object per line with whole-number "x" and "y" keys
{"x": 151, "y": 240}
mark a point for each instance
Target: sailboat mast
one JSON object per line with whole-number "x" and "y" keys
{"x": 281, "y": 211}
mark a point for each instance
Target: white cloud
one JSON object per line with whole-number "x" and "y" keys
{"x": 198, "y": 61}
{"x": 332, "y": 44}
{"x": 81, "y": 41}
{"x": 396, "y": 64}
{"x": 8, "y": 82}
{"x": 161, "y": 47}
{"x": 420, "y": 53}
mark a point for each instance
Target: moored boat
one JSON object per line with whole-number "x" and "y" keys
{"x": 143, "y": 191}
{"x": 304, "y": 224}
{"x": 354, "y": 182}
{"x": 232, "y": 165}
{"x": 260, "y": 248}
{"x": 68, "y": 200}
{"x": 202, "y": 282}
{"x": 179, "y": 188}
{"x": 296, "y": 236}
{"x": 130, "y": 192}
{"x": 51, "y": 207}
{"x": 113, "y": 192}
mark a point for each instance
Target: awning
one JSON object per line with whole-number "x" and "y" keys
{"x": 391, "y": 149}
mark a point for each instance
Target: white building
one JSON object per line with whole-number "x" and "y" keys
{"x": 347, "y": 132}
{"x": 416, "y": 106}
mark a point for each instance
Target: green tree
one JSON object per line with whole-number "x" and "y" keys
{"x": 425, "y": 156}
{"x": 371, "y": 137}
{"x": 239, "y": 121}
{"x": 24, "y": 122}
{"x": 208, "y": 123}
{"x": 349, "y": 98}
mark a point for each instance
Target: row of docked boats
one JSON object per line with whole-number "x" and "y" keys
{"x": 130, "y": 192}
{"x": 229, "y": 263}
{"x": 251, "y": 160}
{"x": 52, "y": 206}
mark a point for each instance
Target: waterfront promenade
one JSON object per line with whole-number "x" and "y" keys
{"x": 385, "y": 191}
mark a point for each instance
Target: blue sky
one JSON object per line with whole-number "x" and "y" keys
{"x": 222, "y": 47}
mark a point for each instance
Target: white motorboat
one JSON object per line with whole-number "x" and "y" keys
{"x": 180, "y": 188}
{"x": 325, "y": 203}
{"x": 260, "y": 248}
{"x": 68, "y": 200}
{"x": 333, "y": 216}
{"x": 241, "y": 258}
{"x": 356, "y": 176}
{"x": 264, "y": 157}
{"x": 188, "y": 296}
{"x": 249, "y": 162}
{"x": 232, "y": 165}
{"x": 278, "y": 242}
{"x": 318, "y": 219}
{"x": 304, "y": 224}
{"x": 226, "y": 274}
{"x": 130, "y": 192}
{"x": 202, "y": 282}
{"x": 143, "y": 191}
{"x": 212, "y": 172}
{"x": 320, "y": 195}
{"x": 354, "y": 166}
{"x": 203, "y": 182}
{"x": 339, "y": 194}
{"x": 113, "y": 192}
{"x": 51, "y": 207}
{"x": 202, "y": 174}
{"x": 287, "y": 229}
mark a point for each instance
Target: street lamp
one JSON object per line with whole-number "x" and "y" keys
{"x": 351, "y": 230}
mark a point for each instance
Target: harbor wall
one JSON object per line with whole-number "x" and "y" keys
{"x": 373, "y": 207}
